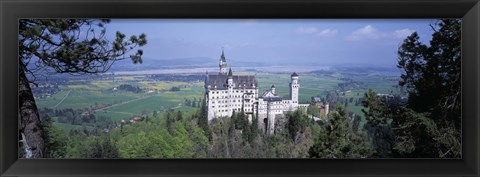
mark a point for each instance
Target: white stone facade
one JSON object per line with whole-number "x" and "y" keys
{"x": 226, "y": 93}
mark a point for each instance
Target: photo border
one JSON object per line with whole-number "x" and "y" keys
{"x": 11, "y": 11}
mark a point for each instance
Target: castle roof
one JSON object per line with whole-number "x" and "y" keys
{"x": 268, "y": 95}
{"x": 219, "y": 82}
{"x": 222, "y": 58}
{"x": 294, "y": 74}
{"x": 270, "y": 99}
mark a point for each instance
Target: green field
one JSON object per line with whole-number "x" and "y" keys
{"x": 118, "y": 105}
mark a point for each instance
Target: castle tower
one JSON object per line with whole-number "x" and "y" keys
{"x": 273, "y": 89}
{"x": 223, "y": 64}
{"x": 327, "y": 109}
{"x": 270, "y": 119}
{"x": 230, "y": 91}
{"x": 294, "y": 86}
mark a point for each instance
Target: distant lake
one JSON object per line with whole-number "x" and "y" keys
{"x": 215, "y": 69}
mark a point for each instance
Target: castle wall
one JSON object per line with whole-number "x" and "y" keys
{"x": 222, "y": 103}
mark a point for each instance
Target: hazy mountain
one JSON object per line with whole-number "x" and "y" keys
{"x": 150, "y": 64}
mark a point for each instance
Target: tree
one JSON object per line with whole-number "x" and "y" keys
{"x": 297, "y": 122}
{"x": 313, "y": 110}
{"x": 179, "y": 116}
{"x": 254, "y": 129}
{"x": 170, "y": 120}
{"x": 56, "y": 139}
{"x": 432, "y": 77}
{"x": 75, "y": 46}
{"x": 109, "y": 148}
{"x": 338, "y": 140}
{"x": 203, "y": 120}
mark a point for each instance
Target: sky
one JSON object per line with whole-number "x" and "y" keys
{"x": 372, "y": 42}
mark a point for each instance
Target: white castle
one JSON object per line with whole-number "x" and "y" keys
{"x": 226, "y": 93}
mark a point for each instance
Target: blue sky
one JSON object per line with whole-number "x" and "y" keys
{"x": 330, "y": 42}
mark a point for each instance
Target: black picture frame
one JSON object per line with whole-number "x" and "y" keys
{"x": 11, "y": 11}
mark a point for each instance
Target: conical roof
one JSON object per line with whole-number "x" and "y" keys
{"x": 222, "y": 58}
{"x": 230, "y": 74}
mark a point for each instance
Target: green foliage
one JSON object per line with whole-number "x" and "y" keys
{"x": 433, "y": 75}
{"x": 414, "y": 134}
{"x": 152, "y": 140}
{"x": 429, "y": 125}
{"x": 203, "y": 120}
{"x": 338, "y": 140}
{"x": 297, "y": 122}
{"x": 56, "y": 139}
{"x": 58, "y": 45}
{"x": 374, "y": 113}
{"x": 179, "y": 116}
{"x": 313, "y": 110}
{"x": 82, "y": 146}
{"x": 170, "y": 120}
{"x": 254, "y": 132}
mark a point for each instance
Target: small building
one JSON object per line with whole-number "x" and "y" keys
{"x": 137, "y": 119}
{"x": 86, "y": 113}
{"x": 322, "y": 105}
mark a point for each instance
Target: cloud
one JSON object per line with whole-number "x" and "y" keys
{"x": 328, "y": 33}
{"x": 367, "y": 32}
{"x": 403, "y": 33}
{"x": 312, "y": 30}
{"x": 371, "y": 33}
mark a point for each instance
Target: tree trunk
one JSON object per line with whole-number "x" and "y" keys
{"x": 30, "y": 124}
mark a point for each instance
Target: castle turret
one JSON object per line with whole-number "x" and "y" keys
{"x": 223, "y": 64}
{"x": 273, "y": 89}
{"x": 294, "y": 86}
{"x": 230, "y": 91}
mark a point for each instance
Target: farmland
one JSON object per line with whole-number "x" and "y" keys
{"x": 100, "y": 97}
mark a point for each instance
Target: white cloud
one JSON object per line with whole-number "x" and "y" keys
{"x": 372, "y": 33}
{"x": 403, "y": 33}
{"x": 367, "y": 32}
{"x": 328, "y": 33}
{"x": 313, "y": 30}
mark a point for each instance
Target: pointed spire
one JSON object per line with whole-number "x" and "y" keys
{"x": 223, "y": 56}
{"x": 230, "y": 74}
